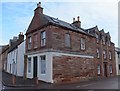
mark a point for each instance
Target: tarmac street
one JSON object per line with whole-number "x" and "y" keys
{"x": 107, "y": 84}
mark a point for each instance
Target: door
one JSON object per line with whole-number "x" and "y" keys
{"x": 34, "y": 66}
{"x": 105, "y": 69}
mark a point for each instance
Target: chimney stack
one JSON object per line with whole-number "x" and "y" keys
{"x": 78, "y": 18}
{"x": 73, "y": 19}
{"x": 39, "y": 4}
{"x": 77, "y": 23}
{"x": 39, "y": 9}
{"x": 21, "y": 36}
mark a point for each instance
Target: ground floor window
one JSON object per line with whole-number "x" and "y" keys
{"x": 43, "y": 64}
{"x": 119, "y": 66}
{"x": 29, "y": 65}
{"x": 10, "y": 68}
{"x": 111, "y": 69}
{"x": 98, "y": 69}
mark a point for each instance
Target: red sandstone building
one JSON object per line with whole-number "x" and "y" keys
{"x": 60, "y": 52}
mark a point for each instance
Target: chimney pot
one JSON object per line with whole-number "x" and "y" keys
{"x": 78, "y": 18}
{"x": 73, "y": 19}
{"x": 77, "y": 23}
{"x": 39, "y": 4}
{"x": 39, "y": 9}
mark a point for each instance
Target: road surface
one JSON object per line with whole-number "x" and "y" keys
{"x": 105, "y": 83}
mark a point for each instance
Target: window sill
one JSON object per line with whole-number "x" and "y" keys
{"x": 42, "y": 46}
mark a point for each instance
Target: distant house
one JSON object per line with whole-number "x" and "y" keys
{"x": 4, "y": 52}
{"x": 60, "y": 52}
{"x": 15, "y": 57}
{"x": 117, "y": 52}
{"x": 105, "y": 53}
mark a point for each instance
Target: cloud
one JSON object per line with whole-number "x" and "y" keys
{"x": 60, "y": 0}
{"x": 105, "y": 15}
{"x": 101, "y": 13}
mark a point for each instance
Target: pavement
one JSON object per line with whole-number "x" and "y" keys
{"x": 106, "y": 84}
{"x": 7, "y": 80}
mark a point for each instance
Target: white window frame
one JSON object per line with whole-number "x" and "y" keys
{"x": 111, "y": 69}
{"x": 67, "y": 40}
{"x": 43, "y": 64}
{"x": 103, "y": 40}
{"x": 43, "y": 38}
{"x": 97, "y": 37}
{"x": 29, "y": 64}
{"x": 98, "y": 67}
{"x": 83, "y": 44}
{"x": 109, "y": 42}
{"x": 29, "y": 42}
{"x": 104, "y": 54}
{"x": 110, "y": 55}
{"x": 98, "y": 53}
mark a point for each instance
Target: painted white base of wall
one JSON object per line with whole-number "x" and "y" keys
{"x": 48, "y": 77}
{"x": 17, "y": 56}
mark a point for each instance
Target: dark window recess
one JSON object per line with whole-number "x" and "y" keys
{"x": 119, "y": 66}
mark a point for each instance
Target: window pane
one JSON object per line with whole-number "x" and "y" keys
{"x": 119, "y": 66}
{"x": 110, "y": 55}
{"x": 110, "y": 68}
{"x": 29, "y": 42}
{"x": 43, "y": 38}
{"x": 97, "y": 37}
{"x": 35, "y": 41}
{"x": 98, "y": 53}
{"x": 98, "y": 69}
{"x": 82, "y": 44}
{"x": 67, "y": 40}
{"x": 43, "y": 64}
{"x": 29, "y": 65}
{"x": 104, "y": 54}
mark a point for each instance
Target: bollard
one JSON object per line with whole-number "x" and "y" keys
{"x": 13, "y": 79}
{"x": 36, "y": 80}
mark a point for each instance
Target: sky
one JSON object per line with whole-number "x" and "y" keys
{"x": 15, "y": 16}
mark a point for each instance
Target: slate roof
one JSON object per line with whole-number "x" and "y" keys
{"x": 15, "y": 45}
{"x": 117, "y": 49}
{"x": 4, "y": 48}
{"x": 47, "y": 20}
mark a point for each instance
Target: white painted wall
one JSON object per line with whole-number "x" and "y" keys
{"x": 20, "y": 59}
{"x": 117, "y": 62}
{"x": 11, "y": 56}
{"x": 18, "y": 56}
{"x": 44, "y": 77}
{"x": 48, "y": 77}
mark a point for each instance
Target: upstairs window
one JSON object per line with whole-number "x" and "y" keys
{"x": 98, "y": 53}
{"x": 103, "y": 40}
{"x": 67, "y": 40}
{"x": 97, "y": 37}
{"x": 43, "y": 38}
{"x": 35, "y": 41}
{"x": 82, "y": 44}
{"x": 110, "y": 55}
{"x": 29, "y": 42}
{"x": 98, "y": 69}
{"x": 109, "y": 42}
{"x": 104, "y": 54}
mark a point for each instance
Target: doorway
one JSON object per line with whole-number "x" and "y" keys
{"x": 105, "y": 69}
{"x": 35, "y": 67}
